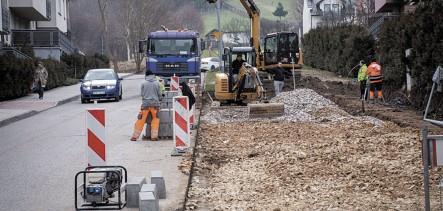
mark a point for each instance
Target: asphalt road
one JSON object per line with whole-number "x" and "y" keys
{"x": 40, "y": 155}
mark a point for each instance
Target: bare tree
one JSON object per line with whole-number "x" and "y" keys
{"x": 139, "y": 17}
{"x": 186, "y": 17}
{"x": 109, "y": 52}
{"x": 336, "y": 15}
{"x": 364, "y": 9}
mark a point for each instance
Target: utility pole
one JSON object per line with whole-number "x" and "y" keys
{"x": 220, "y": 41}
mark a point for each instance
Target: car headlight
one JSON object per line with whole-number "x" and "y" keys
{"x": 110, "y": 86}
{"x": 86, "y": 87}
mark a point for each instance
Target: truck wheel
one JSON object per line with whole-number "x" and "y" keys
{"x": 212, "y": 67}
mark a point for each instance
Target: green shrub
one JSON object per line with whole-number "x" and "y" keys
{"x": 337, "y": 49}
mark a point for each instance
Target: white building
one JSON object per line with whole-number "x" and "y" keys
{"x": 42, "y": 24}
{"x": 314, "y": 10}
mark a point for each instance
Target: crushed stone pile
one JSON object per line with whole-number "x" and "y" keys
{"x": 315, "y": 157}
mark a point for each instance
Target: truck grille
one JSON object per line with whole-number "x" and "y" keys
{"x": 173, "y": 67}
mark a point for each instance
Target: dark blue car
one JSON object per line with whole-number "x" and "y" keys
{"x": 101, "y": 84}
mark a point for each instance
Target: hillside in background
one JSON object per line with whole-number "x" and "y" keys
{"x": 234, "y": 9}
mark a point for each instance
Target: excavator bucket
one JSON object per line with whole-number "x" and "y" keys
{"x": 265, "y": 110}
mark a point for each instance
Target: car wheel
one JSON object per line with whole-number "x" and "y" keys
{"x": 212, "y": 67}
{"x": 121, "y": 94}
{"x": 82, "y": 100}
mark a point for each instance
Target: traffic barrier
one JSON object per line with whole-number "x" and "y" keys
{"x": 181, "y": 127}
{"x": 175, "y": 83}
{"x": 96, "y": 137}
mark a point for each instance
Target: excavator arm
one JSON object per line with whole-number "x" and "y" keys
{"x": 251, "y": 72}
{"x": 254, "y": 14}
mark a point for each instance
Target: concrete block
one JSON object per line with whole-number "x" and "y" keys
{"x": 133, "y": 187}
{"x": 159, "y": 181}
{"x": 150, "y": 188}
{"x": 148, "y": 202}
{"x": 165, "y": 130}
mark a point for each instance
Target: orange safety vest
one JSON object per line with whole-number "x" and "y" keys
{"x": 374, "y": 73}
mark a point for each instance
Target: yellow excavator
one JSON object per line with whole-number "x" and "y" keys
{"x": 243, "y": 87}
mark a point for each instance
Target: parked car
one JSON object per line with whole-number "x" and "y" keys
{"x": 101, "y": 84}
{"x": 209, "y": 63}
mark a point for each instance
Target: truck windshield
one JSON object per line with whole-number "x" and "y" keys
{"x": 171, "y": 46}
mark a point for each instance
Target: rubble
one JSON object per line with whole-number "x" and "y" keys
{"x": 316, "y": 157}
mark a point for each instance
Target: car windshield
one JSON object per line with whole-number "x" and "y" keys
{"x": 99, "y": 75}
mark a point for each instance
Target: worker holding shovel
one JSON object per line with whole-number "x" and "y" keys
{"x": 362, "y": 77}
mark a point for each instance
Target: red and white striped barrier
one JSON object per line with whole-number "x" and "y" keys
{"x": 96, "y": 136}
{"x": 181, "y": 127}
{"x": 175, "y": 83}
{"x": 436, "y": 152}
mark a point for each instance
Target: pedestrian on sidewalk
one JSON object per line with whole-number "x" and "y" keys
{"x": 278, "y": 73}
{"x": 151, "y": 93}
{"x": 375, "y": 80}
{"x": 362, "y": 77}
{"x": 40, "y": 79}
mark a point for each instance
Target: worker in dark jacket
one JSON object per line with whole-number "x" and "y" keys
{"x": 151, "y": 93}
{"x": 236, "y": 65}
{"x": 278, "y": 73}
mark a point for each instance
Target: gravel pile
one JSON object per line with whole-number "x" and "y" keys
{"x": 300, "y": 105}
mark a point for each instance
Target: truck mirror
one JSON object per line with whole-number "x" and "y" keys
{"x": 203, "y": 45}
{"x": 141, "y": 45}
{"x": 224, "y": 57}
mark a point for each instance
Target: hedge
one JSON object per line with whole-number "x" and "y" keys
{"x": 18, "y": 74}
{"x": 337, "y": 49}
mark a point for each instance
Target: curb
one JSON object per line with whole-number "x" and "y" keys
{"x": 18, "y": 118}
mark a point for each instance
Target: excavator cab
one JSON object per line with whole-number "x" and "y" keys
{"x": 282, "y": 47}
{"x": 244, "y": 86}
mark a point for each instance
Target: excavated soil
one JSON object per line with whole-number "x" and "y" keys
{"x": 323, "y": 154}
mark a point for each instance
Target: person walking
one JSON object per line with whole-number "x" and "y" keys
{"x": 362, "y": 78}
{"x": 278, "y": 73}
{"x": 374, "y": 72}
{"x": 40, "y": 79}
{"x": 151, "y": 93}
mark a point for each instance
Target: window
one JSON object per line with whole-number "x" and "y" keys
{"x": 327, "y": 7}
{"x": 335, "y": 8}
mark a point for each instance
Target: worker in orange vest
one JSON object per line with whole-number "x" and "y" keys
{"x": 375, "y": 80}
{"x": 151, "y": 93}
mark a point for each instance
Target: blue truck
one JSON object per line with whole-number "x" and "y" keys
{"x": 173, "y": 52}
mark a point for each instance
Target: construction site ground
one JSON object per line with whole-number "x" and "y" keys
{"x": 323, "y": 154}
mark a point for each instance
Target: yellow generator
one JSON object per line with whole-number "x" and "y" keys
{"x": 242, "y": 87}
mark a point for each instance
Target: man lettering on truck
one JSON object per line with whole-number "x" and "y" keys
{"x": 151, "y": 93}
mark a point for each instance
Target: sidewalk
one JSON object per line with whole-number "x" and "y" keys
{"x": 24, "y": 107}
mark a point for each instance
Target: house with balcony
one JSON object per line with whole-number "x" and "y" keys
{"x": 385, "y": 10}
{"x": 315, "y": 10}
{"x": 41, "y": 24}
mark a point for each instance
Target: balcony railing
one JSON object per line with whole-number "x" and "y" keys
{"x": 5, "y": 20}
{"x": 43, "y": 38}
{"x": 375, "y": 22}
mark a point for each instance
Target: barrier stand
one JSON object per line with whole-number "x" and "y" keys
{"x": 192, "y": 111}
{"x": 182, "y": 135}
{"x": 175, "y": 81}
{"x": 96, "y": 136}
{"x": 432, "y": 157}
